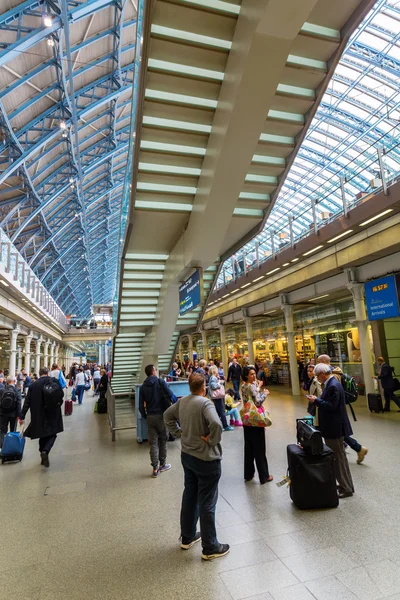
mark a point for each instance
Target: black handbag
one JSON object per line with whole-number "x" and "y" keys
{"x": 309, "y": 438}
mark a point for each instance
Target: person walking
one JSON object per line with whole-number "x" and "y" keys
{"x": 10, "y": 407}
{"x": 361, "y": 450}
{"x": 386, "y": 378}
{"x": 46, "y": 418}
{"x": 254, "y": 437}
{"x": 96, "y": 379}
{"x": 80, "y": 380}
{"x": 217, "y": 394}
{"x": 153, "y": 396}
{"x": 194, "y": 419}
{"x": 234, "y": 374}
{"x": 334, "y": 424}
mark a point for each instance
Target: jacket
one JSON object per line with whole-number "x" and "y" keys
{"x": 150, "y": 400}
{"x": 42, "y": 423}
{"x": 386, "y": 377}
{"x": 332, "y": 413}
{"x": 103, "y": 383}
{"x": 17, "y": 410}
{"x": 191, "y": 418}
{"x": 234, "y": 372}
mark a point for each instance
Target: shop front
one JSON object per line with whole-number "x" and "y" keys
{"x": 271, "y": 349}
{"x": 236, "y": 341}
{"x": 214, "y": 346}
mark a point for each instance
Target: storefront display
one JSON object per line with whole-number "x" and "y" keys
{"x": 214, "y": 346}
{"x": 236, "y": 340}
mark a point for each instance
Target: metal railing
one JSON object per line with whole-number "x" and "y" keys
{"x": 112, "y": 406}
{"x": 13, "y": 264}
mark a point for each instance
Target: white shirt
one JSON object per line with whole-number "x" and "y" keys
{"x": 96, "y": 375}
{"x": 80, "y": 379}
{"x": 55, "y": 373}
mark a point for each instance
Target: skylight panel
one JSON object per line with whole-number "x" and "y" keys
{"x": 395, "y": 51}
{"x": 372, "y": 40}
{"x": 386, "y": 22}
{"x": 346, "y": 72}
{"x": 354, "y": 110}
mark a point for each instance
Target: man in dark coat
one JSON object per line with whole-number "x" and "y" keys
{"x": 386, "y": 378}
{"x": 45, "y": 423}
{"x": 334, "y": 425}
{"x": 234, "y": 375}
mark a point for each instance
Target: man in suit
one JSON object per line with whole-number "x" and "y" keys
{"x": 386, "y": 379}
{"x": 334, "y": 425}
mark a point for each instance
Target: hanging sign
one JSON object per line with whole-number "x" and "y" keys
{"x": 381, "y": 298}
{"x": 191, "y": 292}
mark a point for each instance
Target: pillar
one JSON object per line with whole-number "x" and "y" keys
{"x": 249, "y": 336}
{"x": 46, "y": 354}
{"x": 52, "y": 344}
{"x": 105, "y": 353}
{"x": 100, "y": 354}
{"x": 56, "y": 354}
{"x": 357, "y": 291}
{"x": 224, "y": 347}
{"x": 19, "y": 355}
{"x": 28, "y": 340}
{"x": 294, "y": 370}
{"x": 190, "y": 347}
{"x": 204, "y": 344}
{"x": 37, "y": 355}
{"x": 12, "y": 366}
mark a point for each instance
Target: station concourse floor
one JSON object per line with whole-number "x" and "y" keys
{"x": 96, "y": 526}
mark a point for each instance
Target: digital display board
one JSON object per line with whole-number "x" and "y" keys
{"x": 191, "y": 292}
{"x": 382, "y": 298}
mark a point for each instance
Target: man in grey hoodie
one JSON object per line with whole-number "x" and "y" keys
{"x": 195, "y": 420}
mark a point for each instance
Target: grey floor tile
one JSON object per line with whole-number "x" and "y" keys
{"x": 386, "y": 576}
{"x": 284, "y": 545}
{"x": 244, "y": 555}
{"x": 229, "y": 518}
{"x": 329, "y": 588}
{"x": 68, "y": 488}
{"x": 238, "y": 534}
{"x": 295, "y": 592}
{"x": 76, "y": 451}
{"x": 360, "y": 583}
{"x": 250, "y": 581}
{"x": 311, "y": 565}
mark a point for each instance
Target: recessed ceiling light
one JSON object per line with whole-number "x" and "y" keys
{"x": 226, "y": 295}
{"x": 48, "y": 21}
{"x": 4, "y": 283}
{"x": 382, "y": 214}
{"x": 313, "y": 250}
{"x": 245, "y": 285}
{"x": 273, "y": 271}
{"x": 258, "y": 278}
{"x": 285, "y": 264}
{"x": 338, "y": 237}
{"x": 295, "y": 260}
{"x": 318, "y": 297}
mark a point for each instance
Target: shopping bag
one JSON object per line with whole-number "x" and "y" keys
{"x": 254, "y": 416}
{"x": 61, "y": 380}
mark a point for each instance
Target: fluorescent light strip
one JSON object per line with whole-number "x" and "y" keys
{"x": 173, "y": 148}
{"x": 4, "y": 283}
{"x": 169, "y": 189}
{"x": 163, "y": 65}
{"x": 342, "y": 235}
{"x": 146, "y": 256}
{"x": 319, "y": 297}
{"x": 180, "y": 99}
{"x": 167, "y": 206}
{"x": 226, "y": 295}
{"x": 188, "y": 36}
{"x": 245, "y": 285}
{"x": 143, "y": 267}
{"x": 258, "y": 278}
{"x": 313, "y": 250}
{"x": 168, "y": 169}
{"x": 294, "y": 260}
{"x": 285, "y": 264}
{"x": 273, "y": 271}
{"x": 144, "y": 276}
{"x": 382, "y": 214}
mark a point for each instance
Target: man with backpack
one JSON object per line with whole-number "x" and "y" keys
{"x": 155, "y": 397}
{"x": 351, "y": 394}
{"x": 10, "y": 407}
{"x": 44, "y": 399}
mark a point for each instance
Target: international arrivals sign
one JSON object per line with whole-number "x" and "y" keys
{"x": 382, "y": 298}
{"x": 191, "y": 292}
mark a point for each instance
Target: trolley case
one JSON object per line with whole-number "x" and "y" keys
{"x": 375, "y": 403}
{"x": 13, "y": 447}
{"x": 68, "y": 407}
{"x": 312, "y": 478}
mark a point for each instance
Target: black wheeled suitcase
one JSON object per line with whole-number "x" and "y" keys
{"x": 375, "y": 403}
{"x": 312, "y": 478}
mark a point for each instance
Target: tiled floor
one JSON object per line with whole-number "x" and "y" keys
{"x": 97, "y": 526}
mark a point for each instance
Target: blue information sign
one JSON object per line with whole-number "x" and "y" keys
{"x": 190, "y": 293}
{"x": 381, "y": 298}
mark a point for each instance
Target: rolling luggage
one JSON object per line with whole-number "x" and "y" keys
{"x": 375, "y": 403}
{"x": 102, "y": 405}
{"x": 312, "y": 478}
{"x": 68, "y": 408}
{"x": 13, "y": 447}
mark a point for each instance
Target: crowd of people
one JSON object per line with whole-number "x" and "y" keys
{"x": 200, "y": 418}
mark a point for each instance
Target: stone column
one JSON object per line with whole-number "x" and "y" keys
{"x": 204, "y": 344}
{"x": 46, "y": 354}
{"x": 249, "y": 335}
{"x": 52, "y": 344}
{"x": 28, "y": 340}
{"x": 357, "y": 291}
{"x": 37, "y": 355}
{"x": 57, "y": 355}
{"x": 105, "y": 353}
{"x": 294, "y": 371}
{"x": 224, "y": 347}
{"x": 12, "y": 366}
{"x": 100, "y": 354}
{"x": 19, "y": 356}
{"x": 190, "y": 347}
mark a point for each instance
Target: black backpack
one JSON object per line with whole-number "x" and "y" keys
{"x": 350, "y": 388}
{"x": 8, "y": 400}
{"x": 53, "y": 395}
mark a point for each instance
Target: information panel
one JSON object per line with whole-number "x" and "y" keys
{"x": 381, "y": 298}
{"x": 190, "y": 292}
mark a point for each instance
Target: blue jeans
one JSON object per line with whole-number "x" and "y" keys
{"x": 200, "y": 499}
{"x": 354, "y": 445}
{"x": 80, "y": 390}
{"x": 234, "y": 414}
{"x": 236, "y": 387}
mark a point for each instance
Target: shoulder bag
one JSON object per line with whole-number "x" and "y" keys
{"x": 253, "y": 416}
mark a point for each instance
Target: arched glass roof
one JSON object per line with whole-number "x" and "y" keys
{"x": 66, "y": 75}
{"x": 359, "y": 113}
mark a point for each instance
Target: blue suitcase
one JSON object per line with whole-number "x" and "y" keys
{"x": 13, "y": 447}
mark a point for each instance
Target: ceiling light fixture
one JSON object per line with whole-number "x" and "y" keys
{"x": 338, "y": 237}
{"x": 258, "y": 278}
{"x": 295, "y": 260}
{"x": 313, "y": 250}
{"x": 319, "y": 297}
{"x": 63, "y": 124}
{"x": 226, "y": 295}
{"x": 4, "y": 283}
{"x": 245, "y": 285}
{"x": 285, "y": 264}
{"x": 273, "y": 271}
{"x": 382, "y": 214}
{"x": 47, "y": 20}
{"x": 50, "y": 41}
